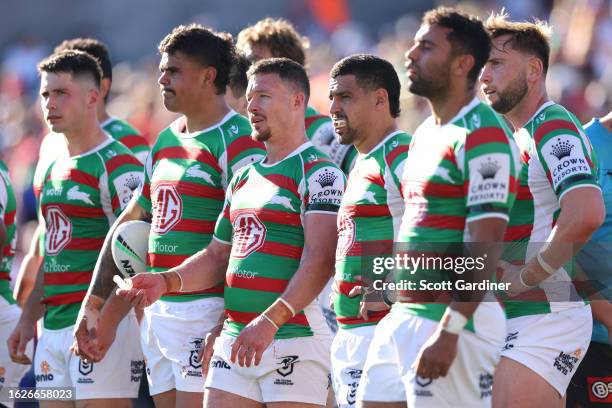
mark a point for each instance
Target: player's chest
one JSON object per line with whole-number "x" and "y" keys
{"x": 366, "y": 185}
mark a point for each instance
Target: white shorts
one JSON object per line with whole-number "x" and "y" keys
{"x": 328, "y": 313}
{"x": 388, "y": 374}
{"x": 291, "y": 370}
{"x": 552, "y": 344}
{"x": 348, "y": 355}
{"x": 116, "y": 376}
{"x": 10, "y": 373}
{"x": 172, "y": 334}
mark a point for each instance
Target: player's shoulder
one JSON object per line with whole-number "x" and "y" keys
{"x": 553, "y": 120}
{"x": 235, "y": 125}
{"x": 119, "y": 128}
{"x": 115, "y": 155}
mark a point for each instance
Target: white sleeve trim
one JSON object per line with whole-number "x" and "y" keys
{"x": 221, "y": 241}
{"x": 578, "y": 186}
{"x": 321, "y": 212}
{"x": 487, "y": 215}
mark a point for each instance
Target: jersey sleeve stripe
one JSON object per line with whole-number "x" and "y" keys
{"x": 121, "y": 160}
{"x": 393, "y": 154}
{"x": 243, "y": 144}
{"x": 189, "y": 153}
{"x": 567, "y": 183}
{"x": 485, "y": 135}
{"x": 552, "y": 125}
{"x": 134, "y": 141}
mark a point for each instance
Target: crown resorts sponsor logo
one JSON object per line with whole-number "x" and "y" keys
{"x": 561, "y": 149}
{"x": 488, "y": 169}
{"x": 565, "y": 158}
{"x": 489, "y": 178}
{"x": 326, "y": 178}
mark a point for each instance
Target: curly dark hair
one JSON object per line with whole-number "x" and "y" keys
{"x": 207, "y": 47}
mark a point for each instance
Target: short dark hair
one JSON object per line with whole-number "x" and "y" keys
{"x": 74, "y": 62}
{"x": 467, "y": 36}
{"x": 208, "y": 48}
{"x": 528, "y": 37}
{"x": 287, "y": 70}
{"x": 279, "y": 36}
{"x": 238, "y": 80}
{"x": 93, "y": 47}
{"x": 372, "y": 73}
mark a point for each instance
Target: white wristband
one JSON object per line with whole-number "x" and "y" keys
{"x": 291, "y": 309}
{"x": 523, "y": 282}
{"x": 453, "y": 321}
{"x": 180, "y": 289}
{"x": 265, "y": 316}
{"x": 549, "y": 269}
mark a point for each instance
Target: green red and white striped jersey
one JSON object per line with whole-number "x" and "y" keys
{"x": 80, "y": 198}
{"x": 368, "y": 221}
{"x": 320, "y": 132}
{"x": 462, "y": 171}
{"x": 556, "y": 157}
{"x": 185, "y": 180}
{"x": 263, "y": 219}
{"x": 8, "y": 207}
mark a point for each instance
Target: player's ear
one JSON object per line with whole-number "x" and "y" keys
{"x": 208, "y": 76}
{"x": 93, "y": 96}
{"x": 298, "y": 100}
{"x": 535, "y": 69}
{"x": 105, "y": 85}
{"x": 463, "y": 64}
{"x": 382, "y": 98}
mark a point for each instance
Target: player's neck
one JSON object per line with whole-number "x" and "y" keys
{"x": 84, "y": 137}
{"x": 375, "y": 136}
{"x": 103, "y": 115}
{"x": 208, "y": 114}
{"x": 277, "y": 148}
{"x": 445, "y": 107}
{"x": 523, "y": 111}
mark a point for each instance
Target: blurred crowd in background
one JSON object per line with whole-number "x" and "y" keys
{"x": 580, "y": 76}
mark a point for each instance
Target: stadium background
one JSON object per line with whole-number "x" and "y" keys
{"x": 580, "y": 76}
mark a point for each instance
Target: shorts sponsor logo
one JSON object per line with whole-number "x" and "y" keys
{"x": 354, "y": 375}
{"x": 509, "y": 338}
{"x": 566, "y": 362}
{"x": 59, "y": 230}
{"x": 219, "y": 363}
{"x": 346, "y": 235}
{"x": 136, "y": 368}
{"x": 45, "y": 372}
{"x": 249, "y": 235}
{"x": 167, "y": 208}
{"x": 600, "y": 389}
{"x": 485, "y": 384}
{"x": 193, "y": 354}
{"x": 420, "y": 384}
{"x": 85, "y": 368}
{"x": 286, "y": 369}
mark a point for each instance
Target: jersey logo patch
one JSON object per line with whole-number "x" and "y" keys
{"x": 167, "y": 208}
{"x": 196, "y": 172}
{"x": 489, "y": 179}
{"x": 59, "y": 230}
{"x": 346, "y": 235}
{"x": 565, "y": 158}
{"x": 249, "y": 235}
{"x": 125, "y": 184}
{"x": 75, "y": 194}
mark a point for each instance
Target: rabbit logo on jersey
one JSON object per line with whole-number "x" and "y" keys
{"x": 167, "y": 208}
{"x": 59, "y": 230}
{"x": 249, "y": 235}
